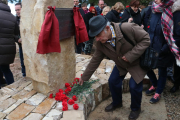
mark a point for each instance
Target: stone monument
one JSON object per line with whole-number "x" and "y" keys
{"x": 49, "y": 72}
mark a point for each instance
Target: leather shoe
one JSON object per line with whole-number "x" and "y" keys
{"x": 134, "y": 114}
{"x": 111, "y": 107}
{"x": 171, "y": 78}
{"x": 174, "y": 88}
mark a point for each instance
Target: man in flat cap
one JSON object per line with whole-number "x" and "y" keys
{"x": 111, "y": 43}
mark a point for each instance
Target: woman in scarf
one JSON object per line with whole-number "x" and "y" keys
{"x": 88, "y": 44}
{"x": 160, "y": 33}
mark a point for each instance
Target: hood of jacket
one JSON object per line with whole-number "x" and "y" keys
{"x": 4, "y": 7}
{"x": 176, "y": 6}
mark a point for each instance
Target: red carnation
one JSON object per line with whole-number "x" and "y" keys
{"x": 64, "y": 103}
{"x": 127, "y": 6}
{"x": 71, "y": 102}
{"x": 67, "y": 85}
{"x": 74, "y": 98}
{"x": 65, "y": 108}
{"x": 69, "y": 89}
{"x": 76, "y": 79}
{"x": 74, "y": 83}
{"x": 75, "y": 106}
{"x": 81, "y": 74}
{"x": 51, "y": 96}
{"x": 148, "y": 26}
{"x": 66, "y": 91}
{"x": 61, "y": 91}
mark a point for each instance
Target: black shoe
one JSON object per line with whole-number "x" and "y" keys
{"x": 171, "y": 78}
{"x": 3, "y": 81}
{"x": 134, "y": 114}
{"x": 174, "y": 88}
{"x": 111, "y": 107}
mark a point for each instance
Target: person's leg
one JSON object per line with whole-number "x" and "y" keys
{"x": 1, "y": 77}
{"x": 136, "y": 94}
{"x": 136, "y": 98}
{"x": 7, "y": 73}
{"x": 86, "y": 47}
{"x": 153, "y": 80}
{"x": 170, "y": 73}
{"x": 78, "y": 47}
{"x": 162, "y": 80}
{"x": 22, "y": 61}
{"x": 90, "y": 45}
{"x": 115, "y": 85}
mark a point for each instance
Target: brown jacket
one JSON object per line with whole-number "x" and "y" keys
{"x": 123, "y": 48}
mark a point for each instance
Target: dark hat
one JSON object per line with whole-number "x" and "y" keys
{"x": 96, "y": 25}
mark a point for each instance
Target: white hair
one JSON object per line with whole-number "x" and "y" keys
{"x": 108, "y": 24}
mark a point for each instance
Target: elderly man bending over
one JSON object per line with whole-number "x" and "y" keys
{"x": 111, "y": 43}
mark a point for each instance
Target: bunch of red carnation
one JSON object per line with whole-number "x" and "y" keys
{"x": 62, "y": 96}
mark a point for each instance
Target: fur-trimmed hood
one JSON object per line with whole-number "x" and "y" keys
{"x": 176, "y": 6}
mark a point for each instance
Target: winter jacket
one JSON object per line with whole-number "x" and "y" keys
{"x": 87, "y": 17}
{"x": 113, "y": 16}
{"x": 143, "y": 13}
{"x": 99, "y": 10}
{"x": 123, "y": 48}
{"x": 146, "y": 19}
{"x": 158, "y": 41}
{"x": 8, "y": 30}
{"x": 128, "y": 13}
{"x": 176, "y": 19}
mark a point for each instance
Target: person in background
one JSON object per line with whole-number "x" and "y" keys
{"x": 105, "y": 10}
{"x": 89, "y": 43}
{"x": 158, "y": 35}
{"x": 100, "y": 7}
{"x": 141, "y": 7}
{"x": 143, "y": 12}
{"x": 8, "y": 29}
{"x": 84, "y": 8}
{"x": 105, "y": 4}
{"x": 18, "y": 7}
{"x": 176, "y": 36}
{"x": 113, "y": 15}
{"x": 132, "y": 14}
{"x": 76, "y": 3}
{"x": 111, "y": 43}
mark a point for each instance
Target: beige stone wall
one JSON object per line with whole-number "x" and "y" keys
{"x": 50, "y": 71}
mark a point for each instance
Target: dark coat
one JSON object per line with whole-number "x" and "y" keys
{"x": 98, "y": 10}
{"x": 18, "y": 36}
{"x": 128, "y": 13}
{"x": 158, "y": 41}
{"x": 176, "y": 32}
{"x": 123, "y": 48}
{"x": 113, "y": 16}
{"x": 143, "y": 12}
{"x": 8, "y": 30}
{"x": 146, "y": 19}
{"x": 87, "y": 17}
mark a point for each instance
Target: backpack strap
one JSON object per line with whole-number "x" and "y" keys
{"x": 125, "y": 36}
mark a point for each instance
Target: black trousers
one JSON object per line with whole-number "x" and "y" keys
{"x": 176, "y": 74}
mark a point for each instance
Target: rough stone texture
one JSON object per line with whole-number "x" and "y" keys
{"x": 45, "y": 106}
{"x": 97, "y": 88}
{"x": 42, "y": 69}
{"x": 34, "y": 116}
{"x": 36, "y": 99}
{"x": 2, "y": 115}
{"x": 20, "y": 112}
{"x": 14, "y": 106}
{"x": 53, "y": 115}
{"x": 29, "y": 87}
{"x": 105, "y": 89}
{"x": 5, "y": 104}
{"x": 20, "y": 94}
{"x": 148, "y": 111}
{"x": 73, "y": 115}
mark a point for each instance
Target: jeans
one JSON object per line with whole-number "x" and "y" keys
{"x": 7, "y": 73}
{"x": 161, "y": 82}
{"x": 78, "y": 48}
{"x": 115, "y": 85}
{"x": 176, "y": 75}
{"x": 22, "y": 61}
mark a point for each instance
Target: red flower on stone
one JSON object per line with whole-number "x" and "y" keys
{"x": 75, "y": 106}
{"x": 61, "y": 91}
{"x": 67, "y": 85}
{"x": 64, "y": 103}
{"x": 69, "y": 89}
{"x": 74, "y": 83}
{"x": 76, "y": 79}
{"x": 51, "y": 96}
{"x": 65, "y": 108}
{"x": 74, "y": 98}
{"x": 71, "y": 102}
{"x": 66, "y": 91}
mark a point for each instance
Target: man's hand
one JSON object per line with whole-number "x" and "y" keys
{"x": 130, "y": 20}
{"x": 20, "y": 40}
{"x": 124, "y": 58}
{"x": 81, "y": 81}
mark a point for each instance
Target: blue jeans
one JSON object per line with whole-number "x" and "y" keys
{"x": 22, "y": 61}
{"x": 161, "y": 82}
{"x": 115, "y": 85}
{"x": 7, "y": 73}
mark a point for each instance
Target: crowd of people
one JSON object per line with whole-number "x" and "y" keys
{"x": 122, "y": 34}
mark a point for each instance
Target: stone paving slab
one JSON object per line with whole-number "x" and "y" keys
{"x": 5, "y": 104}
{"x": 73, "y": 115}
{"x": 36, "y": 99}
{"x": 2, "y": 115}
{"x": 34, "y": 116}
{"x": 45, "y": 106}
{"x": 148, "y": 111}
{"x": 20, "y": 112}
{"x": 53, "y": 115}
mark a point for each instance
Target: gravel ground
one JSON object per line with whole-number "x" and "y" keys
{"x": 172, "y": 101}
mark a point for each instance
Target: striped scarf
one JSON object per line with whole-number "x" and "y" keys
{"x": 167, "y": 25}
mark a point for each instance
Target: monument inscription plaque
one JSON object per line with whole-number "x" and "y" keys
{"x": 66, "y": 22}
